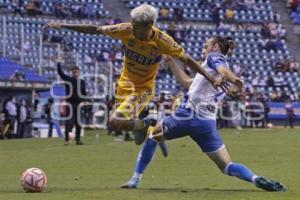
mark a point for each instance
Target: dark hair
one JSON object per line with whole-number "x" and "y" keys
{"x": 225, "y": 44}
{"x": 75, "y": 68}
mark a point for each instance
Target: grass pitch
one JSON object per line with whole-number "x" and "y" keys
{"x": 97, "y": 169}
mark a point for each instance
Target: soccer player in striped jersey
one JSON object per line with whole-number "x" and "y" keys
{"x": 197, "y": 118}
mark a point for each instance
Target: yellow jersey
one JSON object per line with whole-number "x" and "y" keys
{"x": 142, "y": 58}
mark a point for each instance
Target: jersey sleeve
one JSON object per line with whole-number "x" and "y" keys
{"x": 169, "y": 47}
{"x": 117, "y": 31}
{"x": 216, "y": 60}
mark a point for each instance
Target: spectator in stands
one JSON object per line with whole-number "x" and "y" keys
{"x": 266, "y": 112}
{"x": 51, "y": 122}
{"x": 229, "y": 14}
{"x": 275, "y": 96}
{"x": 60, "y": 10}
{"x": 164, "y": 13}
{"x": 265, "y": 31}
{"x": 293, "y": 66}
{"x": 33, "y": 8}
{"x": 290, "y": 115}
{"x": 22, "y": 118}
{"x": 178, "y": 14}
{"x": 280, "y": 66}
{"x": 270, "y": 81}
{"x": 171, "y": 30}
{"x": 76, "y": 97}
{"x": 17, "y": 76}
{"x": 284, "y": 97}
{"x": 216, "y": 15}
{"x": 17, "y": 6}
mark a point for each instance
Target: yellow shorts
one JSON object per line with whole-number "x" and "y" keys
{"x": 132, "y": 103}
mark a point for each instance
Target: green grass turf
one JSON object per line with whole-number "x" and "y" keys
{"x": 96, "y": 170}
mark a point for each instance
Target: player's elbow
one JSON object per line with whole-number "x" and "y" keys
{"x": 187, "y": 83}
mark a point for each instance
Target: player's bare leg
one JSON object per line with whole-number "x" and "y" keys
{"x": 119, "y": 122}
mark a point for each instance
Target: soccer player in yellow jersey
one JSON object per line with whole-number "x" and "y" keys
{"x": 144, "y": 46}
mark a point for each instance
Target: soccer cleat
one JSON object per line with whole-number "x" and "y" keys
{"x": 269, "y": 185}
{"x": 132, "y": 183}
{"x": 164, "y": 148}
{"x": 79, "y": 143}
{"x": 140, "y": 135}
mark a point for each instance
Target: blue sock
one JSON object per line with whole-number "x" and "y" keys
{"x": 240, "y": 171}
{"x": 145, "y": 156}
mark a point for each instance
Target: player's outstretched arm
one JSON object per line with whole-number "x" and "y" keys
{"x": 180, "y": 75}
{"x": 189, "y": 61}
{"x": 81, "y": 28}
{"x": 231, "y": 77}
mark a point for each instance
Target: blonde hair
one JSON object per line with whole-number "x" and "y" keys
{"x": 144, "y": 14}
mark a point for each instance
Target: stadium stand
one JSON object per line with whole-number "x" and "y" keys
{"x": 10, "y": 70}
{"x": 63, "y": 9}
{"x": 194, "y": 10}
{"x": 260, "y": 56}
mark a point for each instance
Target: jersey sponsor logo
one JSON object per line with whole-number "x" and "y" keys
{"x": 211, "y": 108}
{"x": 141, "y": 59}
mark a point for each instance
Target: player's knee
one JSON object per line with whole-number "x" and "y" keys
{"x": 114, "y": 124}
{"x": 158, "y": 137}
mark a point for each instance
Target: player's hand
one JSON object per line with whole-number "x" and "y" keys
{"x": 239, "y": 84}
{"x": 166, "y": 58}
{"x": 221, "y": 82}
{"x": 60, "y": 59}
{"x": 52, "y": 25}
